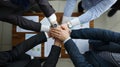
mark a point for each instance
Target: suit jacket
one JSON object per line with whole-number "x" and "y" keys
{"x": 7, "y": 7}
{"x": 11, "y": 13}
{"x": 21, "y": 48}
{"x": 90, "y": 59}
{"x": 11, "y": 58}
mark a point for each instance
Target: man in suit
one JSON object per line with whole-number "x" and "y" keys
{"x": 10, "y": 58}
{"x": 11, "y": 11}
{"x": 105, "y": 46}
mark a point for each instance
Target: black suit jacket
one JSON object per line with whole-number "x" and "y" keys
{"x": 21, "y": 48}
{"x": 11, "y": 13}
{"x": 50, "y": 61}
{"x": 11, "y": 58}
{"x": 7, "y": 7}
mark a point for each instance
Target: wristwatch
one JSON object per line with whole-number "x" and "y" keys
{"x": 54, "y": 25}
{"x": 69, "y": 25}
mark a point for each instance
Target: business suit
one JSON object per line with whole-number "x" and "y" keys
{"x": 100, "y": 41}
{"x": 9, "y": 58}
{"x": 15, "y": 8}
{"x": 90, "y": 58}
{"x": 11, "y": 13}
{"x": 96, "y": 34}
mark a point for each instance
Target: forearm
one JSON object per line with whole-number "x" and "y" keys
{"x": 28, "y": 44}
{"x": 69, "y": 7}
{"x": 77, "y": 58}
{"x": 95, "y": 11}
{"x": 10, "y": 56}
{"x": 96, "y": 34}
{"x": 22, "y": 22}
{"x": 53, "y": 57}
{"x": 104, "y": 46}
{"x": 46, "y": 7}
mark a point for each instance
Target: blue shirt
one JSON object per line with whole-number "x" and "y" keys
{"x": 94, "y": 8}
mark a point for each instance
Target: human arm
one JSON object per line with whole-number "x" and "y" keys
{"x": 98, "y": 45}
{"x": 93, "y": 13}
{"x": 69, "y": 7}
{"x": 101, "y": 40}
{"x": 47, "y": 10}
{"x": 21, "y": 48}
{"x": 77, "y": 58}
{"x": 53, "y": 57}
{"x": 25, "y": 23}
{"x": 96, "y": 34}
{"x": 68, "y": 10}
{"x": 45, "y": 6}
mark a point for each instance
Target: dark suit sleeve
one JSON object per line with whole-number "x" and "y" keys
{"x": 22, "y": 22}
{"x": 45, "y": 7}
{"x": 98, "y": 45}
{"x": 53, "y": 57}
{"x": 96, "y": 34}
{"x": 10, "y": 56}
{"x": 77, "y": 58}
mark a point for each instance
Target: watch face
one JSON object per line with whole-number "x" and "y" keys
{"x": 54, "y": 25}
{"x": 70, "y": 25}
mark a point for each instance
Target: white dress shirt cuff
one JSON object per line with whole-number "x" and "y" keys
{"x": 53, "y": 19}
{"x": 66, "y": 40}
{"x": 46, "y": 35}
{"x": 45, "y": 28}
{"x": 75, "y": 22}
{"x": 65, "y": 19}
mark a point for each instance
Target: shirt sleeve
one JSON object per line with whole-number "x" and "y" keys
{"x": 69, "y": 7}
{"x": 77, "y": 58}
{"x": 96, "y": 11}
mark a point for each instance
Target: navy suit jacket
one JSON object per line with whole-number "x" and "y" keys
{"x": 101, "y": 40}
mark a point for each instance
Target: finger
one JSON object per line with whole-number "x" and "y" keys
{"x": 54, "y": 34}
{"x": 64, "y": 27}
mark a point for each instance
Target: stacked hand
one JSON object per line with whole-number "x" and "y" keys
{"x": 61, "y": 32}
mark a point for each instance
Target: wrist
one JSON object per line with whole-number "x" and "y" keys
{"x": 54, "y": 24}
{"x": 69, "y": 24}
{"x": 66, "y": 39}
{"x": 53, "y": 19}
{"x": 65, "y": 19}
{"x": 57, "y": 43}
{"x": 75, "y": 21}
{"x": 45, "y": 28}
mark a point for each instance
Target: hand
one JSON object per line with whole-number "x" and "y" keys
{"x": 60, "y": 33}
{"x": 57, "y": 42}
{"x": 48, "y": 33}
{"x": 65, "y": 27}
